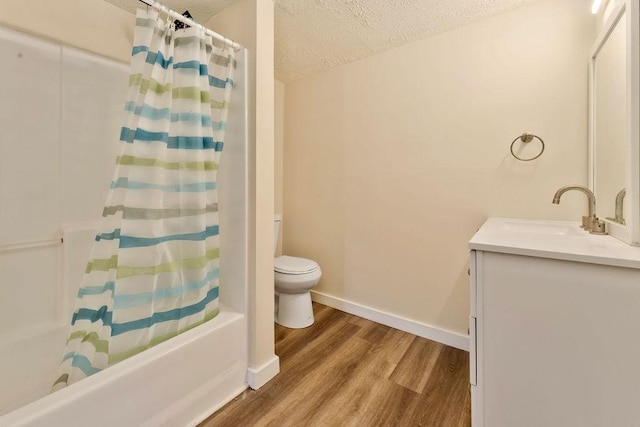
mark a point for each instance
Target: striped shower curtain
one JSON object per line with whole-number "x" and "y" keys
{"x": 153, "y": 271}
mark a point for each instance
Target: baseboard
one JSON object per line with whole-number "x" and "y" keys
{"x": 452, "y": 339}
{"x": 257, "y": 377}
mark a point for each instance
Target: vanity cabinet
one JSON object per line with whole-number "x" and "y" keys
{"x": 554, "y": 326}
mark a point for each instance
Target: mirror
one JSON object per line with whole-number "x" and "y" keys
{"x": 610, "y": 97}
{"x": 613, "y": 124}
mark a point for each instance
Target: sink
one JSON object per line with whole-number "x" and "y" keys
{"x": 549, "y": 228}
{"x": 514, "y": 235}
{"x": 563, "y": 240}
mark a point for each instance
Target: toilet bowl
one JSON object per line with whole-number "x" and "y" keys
{"x": 294, "y": 277}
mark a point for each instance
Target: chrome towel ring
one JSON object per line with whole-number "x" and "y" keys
{"x": 527, "y": 137}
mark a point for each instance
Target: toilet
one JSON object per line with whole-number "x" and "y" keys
{"x": 294, "y": 278}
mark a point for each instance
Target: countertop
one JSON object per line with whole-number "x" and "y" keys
{"x": 562, "y": 240}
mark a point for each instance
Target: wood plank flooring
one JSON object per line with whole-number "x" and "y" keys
{"x": 349, "y": 371}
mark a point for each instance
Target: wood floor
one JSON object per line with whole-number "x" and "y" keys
{"x": 348, "y": 371}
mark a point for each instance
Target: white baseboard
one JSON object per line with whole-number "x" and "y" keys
{"x": 257, "y": 377}
{"x": 452, "y": 339}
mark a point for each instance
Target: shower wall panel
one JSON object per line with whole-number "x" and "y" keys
{"x": 60, "y": 120}
{"x": 29, "y": 139}
{"x": 94, "y": 90}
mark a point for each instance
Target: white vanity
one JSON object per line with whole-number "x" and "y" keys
{"x": 554, "y": 326}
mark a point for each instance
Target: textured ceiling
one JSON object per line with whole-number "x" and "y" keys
{"x": 314, "y": 35}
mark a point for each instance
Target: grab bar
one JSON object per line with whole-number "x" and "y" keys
{"x": 30, "y": 245}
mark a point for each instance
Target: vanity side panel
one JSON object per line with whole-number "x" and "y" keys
{"x": 475, "y": 337}
{"x": 473, "y": 283}
{"x": 558, "y": 346}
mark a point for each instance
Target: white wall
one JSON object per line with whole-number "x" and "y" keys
{"x": 256, "y": 34}
{"x": 392, "y": 162}
{"x": 279, "y": 155}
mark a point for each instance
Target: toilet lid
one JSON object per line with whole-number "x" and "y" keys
{"x": 293, "y": 265}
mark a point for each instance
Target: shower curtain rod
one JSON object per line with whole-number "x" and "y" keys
{"x": 190, "y": 22}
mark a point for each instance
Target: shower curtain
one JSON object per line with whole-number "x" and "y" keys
{"x": 154, "y": 266}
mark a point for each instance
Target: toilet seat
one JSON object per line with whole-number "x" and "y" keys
{"x": 294, "y": 265}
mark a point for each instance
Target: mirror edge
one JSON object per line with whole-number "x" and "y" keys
{"x": 631, "y": 232}
{"x": 633, "y": 113}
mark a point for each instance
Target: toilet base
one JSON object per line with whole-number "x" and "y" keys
{"x": 294, "y": 310}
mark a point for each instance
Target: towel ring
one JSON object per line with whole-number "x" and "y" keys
{"x": 527, "y": 137}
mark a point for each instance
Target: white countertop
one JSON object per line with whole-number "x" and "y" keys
{"x": 562, "y": 240}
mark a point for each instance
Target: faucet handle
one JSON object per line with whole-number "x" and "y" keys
{"x": 598, "y": 226}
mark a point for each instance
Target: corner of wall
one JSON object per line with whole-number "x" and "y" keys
{"x": 250, "y": 22}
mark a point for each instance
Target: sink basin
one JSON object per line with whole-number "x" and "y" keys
{"x": 552, "y": 239}
{"x": 542, "y": 228}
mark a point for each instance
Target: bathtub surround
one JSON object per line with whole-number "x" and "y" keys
{"x": 100, "y": 27}
{"x": 66, "y": 142}
{"x": 91, "y": 25}
{"x": 392, "y": 162}
{"x": 86, "y": 136}
{"x": 154, "y": 268}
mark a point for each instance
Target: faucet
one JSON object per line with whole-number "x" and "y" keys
{"x": 590, "y": 222}
{"x": 620, "y": 206}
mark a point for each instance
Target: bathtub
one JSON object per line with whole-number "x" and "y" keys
{"x": 177, "y": 383}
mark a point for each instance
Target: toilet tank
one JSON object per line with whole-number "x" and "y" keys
{"x": 276, "y": 231}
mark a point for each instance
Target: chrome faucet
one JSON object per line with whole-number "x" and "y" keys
{"x": 591, "y": 223}
{"x": 620, "y": 206}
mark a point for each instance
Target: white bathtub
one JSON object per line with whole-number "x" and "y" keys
{"x": 28, "y": 364}
{"x": 177, "y": 383}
